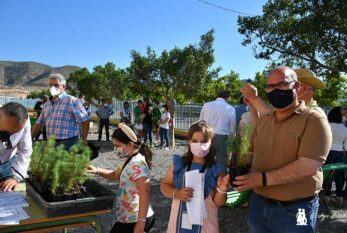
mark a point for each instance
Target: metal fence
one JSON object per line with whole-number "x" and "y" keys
{"x": 185, "y": 115}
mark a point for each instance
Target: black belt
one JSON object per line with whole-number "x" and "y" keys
{"x": 286, "y": 202}
{"x": 63, "y": 140}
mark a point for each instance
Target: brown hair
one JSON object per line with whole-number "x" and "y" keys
{"x": 119, "y": 135}
{"x": 207, "y": 131}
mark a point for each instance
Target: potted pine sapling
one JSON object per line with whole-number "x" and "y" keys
{"x": 58, "y": 174}
{"x": 240, "y": 154}
{"x": 239, "y": 164}
{"x": 58, "y": 180}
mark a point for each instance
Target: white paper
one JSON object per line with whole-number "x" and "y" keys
{"x": 12, "y": 199}
{"x": 185, "y": 222}
{"x": 196, "y": 206}
{"x": 11, "y": 208}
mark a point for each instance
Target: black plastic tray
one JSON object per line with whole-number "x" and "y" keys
{"x": 103, "y": 199}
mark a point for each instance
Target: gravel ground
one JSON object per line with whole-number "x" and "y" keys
{"x": 231, "y": 220}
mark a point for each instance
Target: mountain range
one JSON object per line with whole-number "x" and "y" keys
{"x": 30, "y": 75}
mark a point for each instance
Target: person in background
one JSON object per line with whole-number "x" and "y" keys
{"x": 309, "y": 84}
{"x": 38, "y": 108}
{"x": 81, "y": 98}
{"x": 289, "y": 145}
{"x": 198, "y": 157}
{"x": 15, "y": 145}
{"x": 125, "y": 113}
{"x": 221, "y": 116}
{"x": 138, "y": 114}
{"x": 171, "y": 103}
{"x": 156, "y": 119}
{"x": 344, "y": 115}
{"x": 336, "y": 153}
{"x": 133, "y": 210}
{"x": 63, "y": 115}
{"x": 104, "y": 112}
{"x": 164, "y": 127}
{"x": 147, "y": 124}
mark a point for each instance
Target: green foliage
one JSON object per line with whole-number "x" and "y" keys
{"x": 230, "y": 82}
{"x": 64, "y": 170}
{"x": 38, "y": 94}
{"x": 105, "y": 82}
{"x": 336, "y": 86}
{"x": 240, "y": 146}
{"x": 299, "y": 32}
{"x": 259, "y": 82}
{"x": 181, "y": 73}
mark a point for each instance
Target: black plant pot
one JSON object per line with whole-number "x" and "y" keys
{"x": 96, "y": 198}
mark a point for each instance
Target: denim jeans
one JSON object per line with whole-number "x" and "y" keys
{"x": 68, "y": 143}
{"x": 5, "y": 168}
{"x": 164, "y": 135}
{"x": 148, "y": 133}
{"x": 273, "y": 216}
{"x": 339, "y": 176}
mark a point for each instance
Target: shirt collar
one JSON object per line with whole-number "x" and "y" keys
{"x": 312, "y": 104}
{"x": 220, "y": 99}
{"x": 300, "y": 109}
{"x": 61, "y": 96}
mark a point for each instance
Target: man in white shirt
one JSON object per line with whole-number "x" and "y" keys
{"x": 221, "y": 116}
{"x": 15, "y": 145}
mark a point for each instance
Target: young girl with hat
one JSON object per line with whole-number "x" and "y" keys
{"x": 133, "y": 210}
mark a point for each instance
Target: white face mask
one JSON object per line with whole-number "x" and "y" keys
{"x": 105, "y": 105}
{"x": 119, "y": 151}
{"x": 55, "y": 91}
{"x": 200, "y": 149}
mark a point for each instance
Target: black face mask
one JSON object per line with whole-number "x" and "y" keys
{"x": 5, "y": 139}
{"x": 280, "y": 98}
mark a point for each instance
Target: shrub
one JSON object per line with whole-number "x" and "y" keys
{"x": 63, "y": 170}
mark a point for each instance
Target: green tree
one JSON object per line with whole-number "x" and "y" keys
{"x": 181, "y": 73}
{"x": 143, "y": 74}
{"x": 38, "y": 94}
{"x": 105, "y": 82}
{"x": 187, "y": 72}
{"x": 300, "y": 32}
{"x": 334, "y": 92}
{"x": 259, "y": 82}
{"x": 230, "y": 82}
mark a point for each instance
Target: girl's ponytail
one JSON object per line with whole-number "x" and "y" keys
{"x": 147, "y": 153}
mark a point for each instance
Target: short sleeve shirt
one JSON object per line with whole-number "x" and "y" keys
{"x": 305, "y": 133}
{"x": 128, "y": 199}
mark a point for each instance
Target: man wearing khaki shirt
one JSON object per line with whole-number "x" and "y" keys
{"x": 290, "y": 145}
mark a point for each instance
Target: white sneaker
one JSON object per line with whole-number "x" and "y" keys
{"x": 167, "y": 148}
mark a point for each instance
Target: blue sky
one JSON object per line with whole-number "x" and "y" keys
{"x": 87, "y": 33}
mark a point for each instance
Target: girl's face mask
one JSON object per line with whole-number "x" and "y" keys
{"x": 200, "y": 149}
{"x": 120, "y": 152}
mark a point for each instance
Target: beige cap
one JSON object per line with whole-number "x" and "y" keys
{"x": 308, "y": 77}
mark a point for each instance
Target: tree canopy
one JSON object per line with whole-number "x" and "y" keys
{"x": 180, "y": 73}
{"x": 105, "y": 82}
{"x": 302, "y": 33}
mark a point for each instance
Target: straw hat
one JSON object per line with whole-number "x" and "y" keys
{"x": 308, "y": 77}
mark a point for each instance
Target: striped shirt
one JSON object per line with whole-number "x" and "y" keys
{"x": 63, "y": 118}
